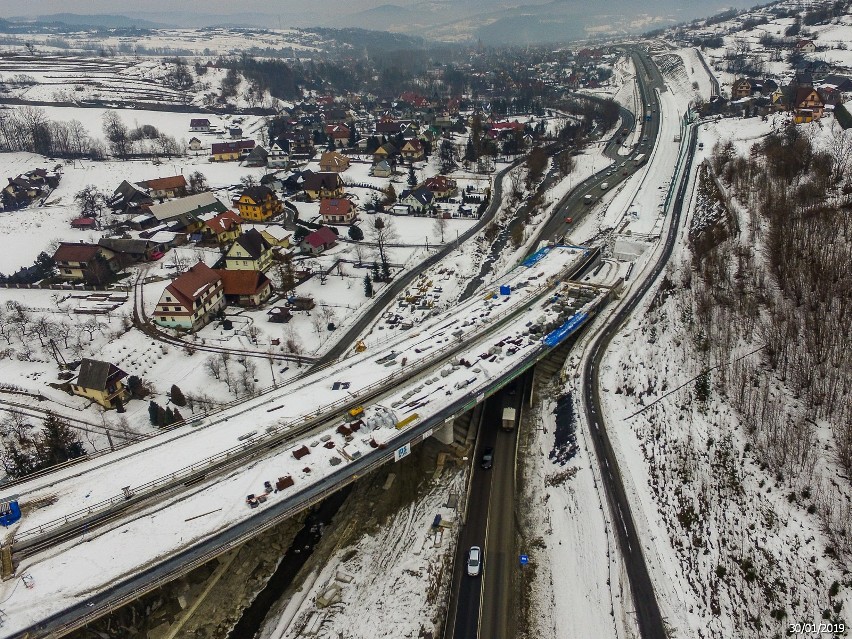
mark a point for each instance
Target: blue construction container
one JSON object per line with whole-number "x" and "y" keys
{"x": 10, "y": 512}
{"x": 505, "y": 289}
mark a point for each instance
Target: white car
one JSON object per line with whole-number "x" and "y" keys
{"x": 474, "y": 561}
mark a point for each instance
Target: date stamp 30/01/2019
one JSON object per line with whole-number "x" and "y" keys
{"x": 819, "y": 627}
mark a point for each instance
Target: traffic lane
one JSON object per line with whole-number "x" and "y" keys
{"x": 499, "y": 545}
{"x": 473, "y": 533}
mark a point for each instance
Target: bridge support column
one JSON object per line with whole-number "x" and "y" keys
{"x": 444, "y": 434}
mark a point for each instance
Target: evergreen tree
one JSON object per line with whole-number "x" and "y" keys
{"x": 353, "y": 136}
{"x": 356, "y": 233}
{"x": 390, "y": 194}
{"x": 177, "y": 396}
{"x": 170, "y": 417}
{"x": 57, "y": 443}
{"x": 153, "y": 412}
{"x": 178, "y": 417}
{"x": 375, "y": 270}
{"x": 412, "y": 178}
{"x": 162, "y": 417}
{"x": 368, "y": 286}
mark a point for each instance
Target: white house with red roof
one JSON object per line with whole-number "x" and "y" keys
{"x": 191, "y": 300}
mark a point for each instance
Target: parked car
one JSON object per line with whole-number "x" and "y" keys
{"x": 474, "y": 561}
{"x": 487, "y": 458}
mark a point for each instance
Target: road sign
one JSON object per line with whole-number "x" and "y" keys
{"x": 524, "y": 560}
{"x": 402, "y": 451}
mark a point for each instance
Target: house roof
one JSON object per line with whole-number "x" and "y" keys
{"x": 231, "y": 147}
{"x": 190, "y": 286}
{"x": 81, "y": 252}
{"x": 422, "y": 195}
{"x": 335, "y": 206}
{"x": 322, "y": 180}
{"x": 338, "y": 131}
{"x": 223, "y": 222}
{"x": 199, "y": 122}
{"x": 278, "y": 232}
{"x": 253, "y": 243}
{"x": 196, "y": 204}
{"x": 257, "y": 193}
{"x": 98, "y": 375}
{"x": 164, "y": 184}
{"x": 243, "y": 282}
{"x": 323, "y": 235}
{"x": 803, "y": 93}
{"x": 129, "y": 245}
{"x": 333, "y": 158}
{"x": 439, "y": 183}
{"x": 83, "y": 222}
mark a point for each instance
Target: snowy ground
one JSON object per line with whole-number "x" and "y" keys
{"x": 400, "y": 572}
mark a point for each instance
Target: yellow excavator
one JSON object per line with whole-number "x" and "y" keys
{"x": 360, "y": 346}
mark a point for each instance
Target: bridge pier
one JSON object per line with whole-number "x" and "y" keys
{"x": 444, "y": 434}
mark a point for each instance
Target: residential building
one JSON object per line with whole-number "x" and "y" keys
{"x": 191, "y": 300}
{"x": 277, "y": 236}
{"x": 84, "y": 262}
{"x": 337, "y": 211}
{"x": 249, "y": 252}
{"x": 223, "y": 227}
{"x": 385, "y": 152}
{"x": 382, "y": 169}
{"x": 807, "y": 105}
{"x": 318, "y": 241}
{"x": 333, "y": 162}
{"x": 174, "y": 186}
{"x": 441, "y": 187}
{"x": 323, "y": 185}
{"x": 133, "y": 250}
{"x": 228, "y": 151}
{"x": 187, "y": 211}
{"x": 129, "y": 198}
{"x": 741, "y": 88}
{"x": 258, "y": 204}
{"x": 412, "y": 151}
{"x": 279, "y": 154}
{"x": 245, "y": 288}
{"x": 805, "y": 46}
{"x": 417, "y": 200}
{"x": 100, "y": 382}
{"x": 195, "y": 144}
{"x": 338, "y": 134}
{"x": 199, "y": 125}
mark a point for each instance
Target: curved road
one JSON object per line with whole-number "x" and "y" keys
{"x": 648, "y": 616}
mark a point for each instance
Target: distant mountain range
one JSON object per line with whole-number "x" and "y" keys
{"x": 491, "y": 21}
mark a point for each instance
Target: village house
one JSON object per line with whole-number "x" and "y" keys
{"x": 195, "y": 144}
{"x": 257, "y": 157}
{"x": 741, "y": 88}
{"x": 186, "y": 212}
{"x": 322, "y": 185}
{"x": 101, "y": 382}
{"x": 223, "y": 227}
{"x": 129, "y": 198}
{"x": 174, "y": 186}
{"x": 191, "y": 300}
{"x": 318, "y": 241}
{"x": 258, "y": 204}
{"x": 412, "y": 151}
{"x": 279, "y": 154}
{"x": 84, "y": 262}
{"x": 382, "y": 169}
{"x": 417, "y": 200}
{"x": 338, "y": 134}
{"x": 441, "y": 187}
{"x": 133, "y": 250}
{"x": 199, "y": 125}
{"x": 333, "y": 162}
{"x": 337, "y": 211}
{"x": 249, "y": 252}
{"x": 277, "y": 236}
{"x": 805, "y": 46}
{"x": 385, "y": 152}
{"x": 229, "y": 151}
{"x": 245, "y": 288}
{"x": 806, "y": 104}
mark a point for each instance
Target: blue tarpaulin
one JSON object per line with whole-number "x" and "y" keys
{"x": 536, "y": 257}
{"x": 554, "y": 337}
{"x": 504, "y": 289}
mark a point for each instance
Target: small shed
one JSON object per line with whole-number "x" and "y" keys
{"x": 284, "y": 482}
{"x": 300, "y": 452}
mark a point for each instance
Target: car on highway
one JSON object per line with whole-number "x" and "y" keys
{"x": 587, "y": 199}
{"x": 474, "y": 561}
{"x": 487, "y": 460}
{"x": 568, "y": 220}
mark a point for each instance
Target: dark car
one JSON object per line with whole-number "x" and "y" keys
{"x": 487, "y": 458}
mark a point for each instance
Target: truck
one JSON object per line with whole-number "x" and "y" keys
{"x": 508, "y": 418}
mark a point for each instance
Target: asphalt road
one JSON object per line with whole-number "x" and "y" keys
{"x": 481, "y": 606}
{"x": 573, "y": 205}
{"x": 648, "y": 615}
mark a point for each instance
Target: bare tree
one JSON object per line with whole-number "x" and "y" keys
{"x": 382, "y": 232}
{"x": 439, "y": 227}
